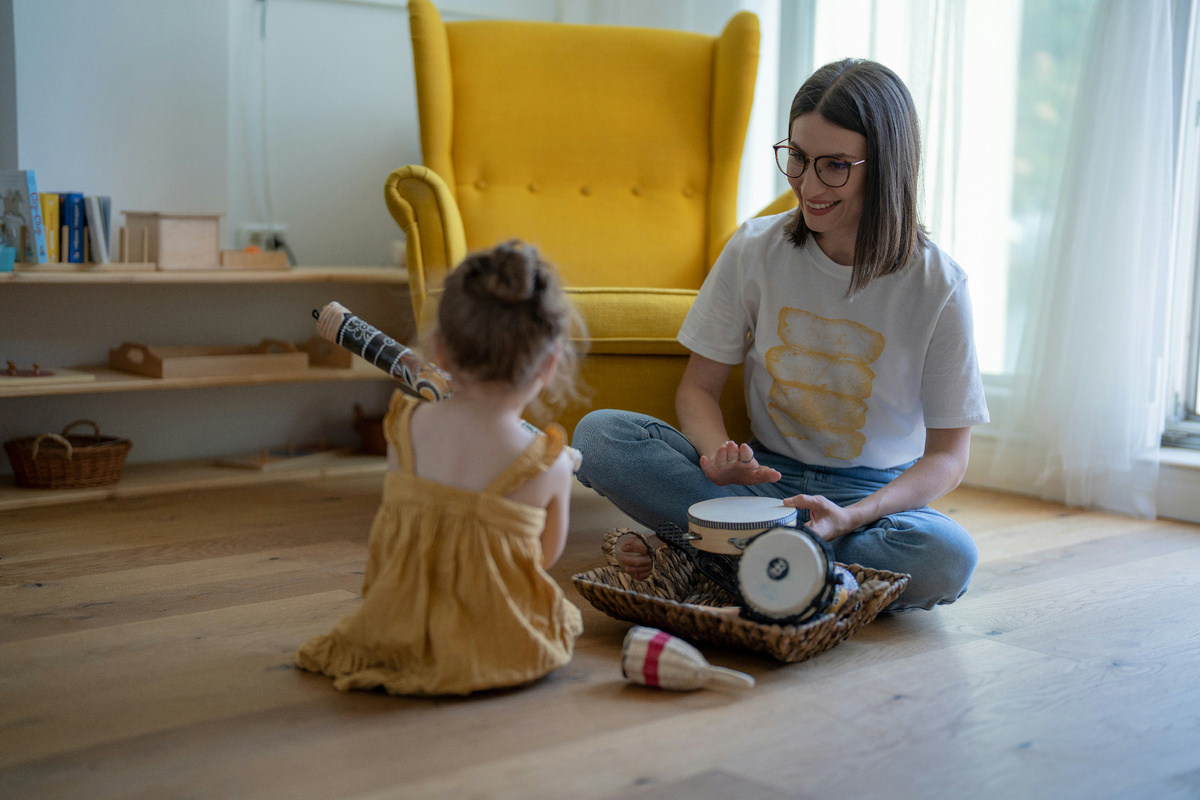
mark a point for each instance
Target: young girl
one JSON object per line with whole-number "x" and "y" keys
{"x": 860, "y": 368}
{"x": 475, "y": 507}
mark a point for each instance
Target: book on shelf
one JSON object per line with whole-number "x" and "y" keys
{"x": 71, "y": 219}
{"x": 21, "y": 225}
{"x": 97, "y": 228}
{"x": 106, "y": 213}
{"x": 50, "y": 224}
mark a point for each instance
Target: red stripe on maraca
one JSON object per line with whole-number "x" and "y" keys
{"x": 650, "y": 668}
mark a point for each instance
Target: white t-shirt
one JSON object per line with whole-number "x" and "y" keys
{"x": 832, "y": 381}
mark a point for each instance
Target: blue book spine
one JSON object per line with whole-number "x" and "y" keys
{"x": 38, "y": 243}
{"x": 106, "y": 212}
{"x": 73, "y": 220}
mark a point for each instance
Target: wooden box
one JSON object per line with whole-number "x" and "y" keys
{"x": 251, "y": 259}
{"x": 268, "y": 357}
{"x": 324, "y": 353}
{"x": 174, "y": 241}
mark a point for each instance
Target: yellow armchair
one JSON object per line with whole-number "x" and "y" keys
{"x": 614, "y": 150}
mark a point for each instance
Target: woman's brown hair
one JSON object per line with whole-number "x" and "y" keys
{"x": 502, "y": 312}
{"x": 868, "y": 98}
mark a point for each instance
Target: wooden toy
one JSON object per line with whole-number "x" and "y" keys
{"x": 254, "y": 259}
{"x": 419, "y": 377}
{"x": 19, "y": 376}
{"x": 268, "y": 357}
{"x": 655, "y": 658}
{"x": 281, "y": 458}
{"x": 324, "y": 353}
{"x": 175, "y": 241}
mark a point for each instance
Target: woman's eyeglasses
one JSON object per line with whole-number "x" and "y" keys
{"x": 831, "y": 170}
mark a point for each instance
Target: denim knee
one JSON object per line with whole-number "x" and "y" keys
{"x": 943, "y": 572}
{"x": 935, "y": 551}
{"x": 600, "y": 439}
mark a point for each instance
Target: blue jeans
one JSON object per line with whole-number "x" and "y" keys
{"x": 652, "y": 472}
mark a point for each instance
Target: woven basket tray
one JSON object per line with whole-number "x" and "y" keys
{"x": 66, "y": 461}
{"x": 678, "y": 599}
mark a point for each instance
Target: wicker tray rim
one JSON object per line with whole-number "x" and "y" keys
{"x": 788, "y": 643}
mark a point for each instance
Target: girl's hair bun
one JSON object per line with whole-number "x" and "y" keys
{"x": 513, "y": 274}
{"x": 503, "y": 312}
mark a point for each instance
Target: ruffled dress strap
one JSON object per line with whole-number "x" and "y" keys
{"x": 398, "y": 431}
{"x": 535, "y": 460}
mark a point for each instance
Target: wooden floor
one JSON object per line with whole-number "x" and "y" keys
{"x": 146, "y": 652}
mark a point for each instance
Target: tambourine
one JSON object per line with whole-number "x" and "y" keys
{"x": 783, "y": 574}
{"x": 726, "y": 524}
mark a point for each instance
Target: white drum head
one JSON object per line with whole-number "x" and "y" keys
{"x": 781, "y": 573}
{"x": 718, "y": 520}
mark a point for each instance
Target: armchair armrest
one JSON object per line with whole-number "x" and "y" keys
{"x": 785, "y": 202}
{"x": 424, "y": 207}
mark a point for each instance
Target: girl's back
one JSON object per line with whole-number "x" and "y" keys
{"x": 455, "y": 598}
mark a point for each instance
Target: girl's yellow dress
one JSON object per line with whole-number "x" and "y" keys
{"x": 455, "y": 599}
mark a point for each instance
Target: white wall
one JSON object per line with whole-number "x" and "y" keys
{"x": 162, "y": 105}
{"x": 125, "y": 98}
{"x": 159, "y": 103}
{"x": 340, "y": 114}
{"x": 8, "y": 87}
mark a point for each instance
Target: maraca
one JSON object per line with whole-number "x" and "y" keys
{"x": 655, "y": 658}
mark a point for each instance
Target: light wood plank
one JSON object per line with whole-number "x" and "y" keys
{"x": 143, "y": 480}
{"x": 104, "y": 380}
{"x": 192, "y": 667}
{"x": 155, "y": 661}
{"x": 313, "y": 274}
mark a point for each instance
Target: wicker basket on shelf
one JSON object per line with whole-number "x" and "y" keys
{"x": 66, "y": 460}
{"x": 678, "y": 599}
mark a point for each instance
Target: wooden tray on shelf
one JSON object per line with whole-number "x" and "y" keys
{"x": 268, "y": 357}
{"x": 39, "y": 375}
{"x": 284, "y": 457}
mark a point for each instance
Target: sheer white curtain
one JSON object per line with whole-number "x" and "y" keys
{"x": 959, "y": 60}
{"x": 1086, "y": 413}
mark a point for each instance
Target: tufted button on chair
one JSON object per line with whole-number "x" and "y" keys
{"x": 614, "y": 150}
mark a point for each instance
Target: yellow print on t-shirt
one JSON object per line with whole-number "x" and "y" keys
{"x": 822, "y": 380}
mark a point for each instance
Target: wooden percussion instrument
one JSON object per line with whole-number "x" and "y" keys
{"x": 725, "y": 524}
{"x": 417, "y": 377}
{"x": 655, "y": 658}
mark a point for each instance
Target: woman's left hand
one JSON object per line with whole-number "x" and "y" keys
{"x": 825, "y": 518}
{"x": 736, "y": 464}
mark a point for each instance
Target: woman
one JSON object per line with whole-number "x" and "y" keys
{"x": 860, "y": 367}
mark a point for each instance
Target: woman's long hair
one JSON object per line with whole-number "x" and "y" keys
{"x": 868, "y": 98}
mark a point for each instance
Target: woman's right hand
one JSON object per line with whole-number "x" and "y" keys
{"x": 735, "y": 464}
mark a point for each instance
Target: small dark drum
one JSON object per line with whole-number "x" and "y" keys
{"x": 787, "y": 574}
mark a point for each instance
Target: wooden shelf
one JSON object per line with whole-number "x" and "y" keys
{"x": 110, "y": 380}
{"x": 294, "y": 275}
{"x": 141, "y": 480}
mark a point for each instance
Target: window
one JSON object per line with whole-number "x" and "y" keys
{"x": 994, "y": 84}
{"x": 1183, "y": 423}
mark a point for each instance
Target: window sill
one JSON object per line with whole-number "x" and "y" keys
{"x": 1178, "y": 476}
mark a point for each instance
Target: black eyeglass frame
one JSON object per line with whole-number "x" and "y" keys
{"x": 784, "y": 145}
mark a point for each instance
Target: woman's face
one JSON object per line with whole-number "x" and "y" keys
{"x": 831, "y": 213}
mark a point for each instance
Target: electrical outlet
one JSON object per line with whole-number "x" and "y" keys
{"x": 258, "y": 235}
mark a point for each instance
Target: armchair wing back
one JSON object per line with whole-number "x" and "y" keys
{"x": 614, "y": 150}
